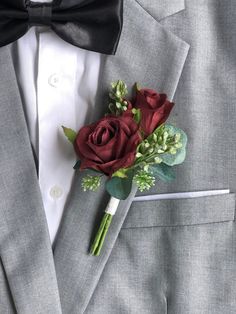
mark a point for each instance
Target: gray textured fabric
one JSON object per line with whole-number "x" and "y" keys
{"x": 25, "y": 247}
{"x": 168, "y": 256}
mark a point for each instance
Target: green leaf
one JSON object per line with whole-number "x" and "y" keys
{"x": 70, "y": 134}
{"x": 137, "y": 86}
{"x": 77, "y": 165}
{"x": 164, "y": 172}
{"x": 137, "y": 115}
{"x": 121, "y": 173}
{"x": 179, "y": 157}
{"x": 120, "y": 187}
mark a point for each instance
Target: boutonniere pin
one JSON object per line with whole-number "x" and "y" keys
{"x": 132, "y": 144}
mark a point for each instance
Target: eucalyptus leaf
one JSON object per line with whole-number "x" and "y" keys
{"x": 163, "y": 171}
{"x": 70, "y": 134}
{"x": 179, "y": 157}
{"x": 120, "y": 187}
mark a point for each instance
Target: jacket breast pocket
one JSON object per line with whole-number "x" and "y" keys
{"x": 160, "y": 9}
{"x": 181, "y": 212}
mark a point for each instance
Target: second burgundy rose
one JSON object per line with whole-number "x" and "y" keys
{"x": 109, "y": 144}
{"x": 155, "y": 109}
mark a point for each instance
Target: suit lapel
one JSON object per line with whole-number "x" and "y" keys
{"x": 25, "y": 247}
{"x": 154, "y": 57}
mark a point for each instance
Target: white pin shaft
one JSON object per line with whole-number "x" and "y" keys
{"x": 112, "y": 206}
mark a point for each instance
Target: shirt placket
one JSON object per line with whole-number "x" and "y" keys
{"x": 55, "y": 103}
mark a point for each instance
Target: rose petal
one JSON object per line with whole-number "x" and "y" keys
{"x": 109, "y": 144}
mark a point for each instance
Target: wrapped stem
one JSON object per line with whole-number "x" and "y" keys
{"x": 104, "y": 226}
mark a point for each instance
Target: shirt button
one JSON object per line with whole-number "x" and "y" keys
{"x": 56, "y": 192}
{"x": 54, "y": 80}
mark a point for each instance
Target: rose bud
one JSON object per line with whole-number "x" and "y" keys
{"x": 155, "y": 109}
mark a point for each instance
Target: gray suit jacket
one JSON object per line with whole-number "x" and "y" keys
{"x": 169, "y": 256}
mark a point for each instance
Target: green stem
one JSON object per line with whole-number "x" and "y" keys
{"x": 101, "y": 235}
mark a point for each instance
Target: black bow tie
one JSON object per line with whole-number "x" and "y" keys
{"x": 89, "y": 24}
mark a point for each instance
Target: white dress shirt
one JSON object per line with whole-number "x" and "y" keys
{"x": 59, "y": 84}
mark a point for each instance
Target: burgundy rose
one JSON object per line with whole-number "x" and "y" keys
{"x": 109, "y": 144}
{"x": 155, "y": 109}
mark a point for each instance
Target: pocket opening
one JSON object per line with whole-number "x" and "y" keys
{"x": 181, "y": 212}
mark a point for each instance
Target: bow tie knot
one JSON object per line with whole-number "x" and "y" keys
{"x": 39, "y": 13}
{"x": 93, "y": 25}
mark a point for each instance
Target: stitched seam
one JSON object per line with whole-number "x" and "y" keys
{"x": 180, "y": 226}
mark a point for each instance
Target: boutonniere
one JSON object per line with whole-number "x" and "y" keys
{"x": 131, "y": 144}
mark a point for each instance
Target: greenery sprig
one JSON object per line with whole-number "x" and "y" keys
{"x": 117, "y": 96}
